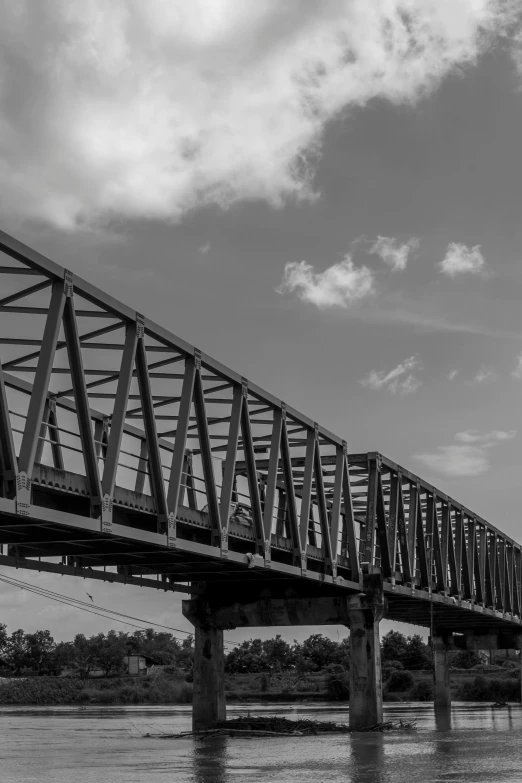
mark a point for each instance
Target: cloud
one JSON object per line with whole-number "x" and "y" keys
{"x": 392, "y": 252}
{"x": 204, "y": 248}
{"x": 486, "y": 439}
{"x": 452, "y": 375}
{"x": 460, "y": 260}
{"x": 517, "y": 372}
{"x": 468, "y": 456}
{"x": 149, "y": 109}
{"x": 340, "y": 285}
{"x": 399, "y": 380}
{"x": 484, "y": 374}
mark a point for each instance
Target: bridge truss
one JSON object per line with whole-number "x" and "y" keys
{"x": 126, "y": 454}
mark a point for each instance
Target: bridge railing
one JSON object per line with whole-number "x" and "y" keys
{"x": 91, "y": 388}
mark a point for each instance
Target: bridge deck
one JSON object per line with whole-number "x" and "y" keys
{"x": 126, "y": 453}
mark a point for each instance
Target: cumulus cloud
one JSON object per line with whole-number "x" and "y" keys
{"x": 340, "y": 285}
{"x": 517, "y": 372}
{"x": 399, "y": 380}
{"x": 392, "y": 252}
{"x": 452, "y": 375}
{"x": 460, "y": 259}
{"x": 468, "y": 456}
{"x": 204, "y": 248}
{"x": 148, "y": 109}
{"x": 484, "y": 374}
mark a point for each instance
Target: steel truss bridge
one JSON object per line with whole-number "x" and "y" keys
{"x": 128, "y": 455}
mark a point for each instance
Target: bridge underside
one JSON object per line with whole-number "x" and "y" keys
{"x": 61, "y": 536}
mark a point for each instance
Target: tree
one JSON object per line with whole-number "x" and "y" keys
{"x": 3, "y": 642}
{"x": 277, "y": 654}
{"x": 40, "y": 651}
{"x": 418, "y": 654}
{"x": 247, "y": 657}
{"x": 83, "y": 655}
{"x": 16, "y": 652}
{"x": 465, "y": 659}
{"x": 394, "y": 647}
{"x": 320, "y": 651}
{"x": 109, "y": 651}
{"x": 161, "y": 648}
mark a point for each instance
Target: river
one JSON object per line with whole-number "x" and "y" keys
{"x": 105, "y": 744}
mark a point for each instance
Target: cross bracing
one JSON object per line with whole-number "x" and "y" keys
{"x": 127, "y": 454}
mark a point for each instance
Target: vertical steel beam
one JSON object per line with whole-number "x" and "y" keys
{"x": 142, "y": 468}
{"x": 368, "y": 552}
{"x": 493, "y": 568}
{"x": 392, "y": 521}
{"x": 501, "y": 573}
{"x": 321, "y": 503}
{"x": 271, "y": 482}
{"x": 445, "y": 530}
{"x": 112, "y": 457}
{"x": 335, "y": 510}
{"x": 482, "y": 552}
{"x": 8, "y": 461}
{"x": 433, "y": 529}
{"x": 54, "y": 434}
{"x": 421, "y": 545}
{"x": 349, "y": 524}
{"x": 282, "y": 528}
{"x": 151, "y": 434}
{"x": 306, "y": 496}
{"x": 459, "y": 546}
{"x": 517, "y": 586}
{"x": 291, "y": 506}
{"x": 188, "y": 472}
{"x": 250, "y": 461}
{"x": 471, "y": 558}
{"x": 452, "y": 560}
{"x": 413, "y": 508}
{"x": 407, "y": 576}
{"x": 41, "y": 380}
{"x": 229, "y": 473}
{"x": 174, "y": 492}
{"x": 510, "y": 565}
{"x": 380, "y": 516}
{"x": 83, "y": 413}
{"x": 206, "y": 452}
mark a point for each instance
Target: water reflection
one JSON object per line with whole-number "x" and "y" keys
{"x": 443, "y": 718}
{"x": 367, "y": 758}
{"x": 210, "y": 760}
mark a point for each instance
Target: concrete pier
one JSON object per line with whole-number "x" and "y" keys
{"x": 441, "y": 674}
{"x": 209, "y": 704}
{"x": 365, "y": 613}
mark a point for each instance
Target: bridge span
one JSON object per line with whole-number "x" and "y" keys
{"x": 128, "y": 455}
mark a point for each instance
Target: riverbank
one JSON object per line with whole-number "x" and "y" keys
{"x": 467, "y": 685}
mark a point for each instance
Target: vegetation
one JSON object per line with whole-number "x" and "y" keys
{"x": 272, "y": 669}
{"x": 39, "y": 653}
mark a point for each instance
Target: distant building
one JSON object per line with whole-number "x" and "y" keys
{"x": 137, "y": 665}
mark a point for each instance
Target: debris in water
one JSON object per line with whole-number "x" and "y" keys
{"x": 270, "y": 726}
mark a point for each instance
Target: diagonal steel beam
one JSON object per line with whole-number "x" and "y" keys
{"x": 74, "y": 352}
{"x": 119, "y": 412}
{"x": 41, "y": 380}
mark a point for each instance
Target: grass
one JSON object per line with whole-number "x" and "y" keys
{"x": 55, "y": 690}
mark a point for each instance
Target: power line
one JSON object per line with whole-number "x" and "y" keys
{"x": 76, "y": 603}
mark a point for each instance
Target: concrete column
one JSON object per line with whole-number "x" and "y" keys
{"x": 208, "y": 704}
{"x": 365, "y": 612}
{"x": 441, "y": 675}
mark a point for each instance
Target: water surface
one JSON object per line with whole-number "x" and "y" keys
{"x": 93, "y": 744}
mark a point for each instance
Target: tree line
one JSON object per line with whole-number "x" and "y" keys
{"x": 38, "y": 652}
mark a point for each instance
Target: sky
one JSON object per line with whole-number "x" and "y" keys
{"x": 324, "y": 195}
